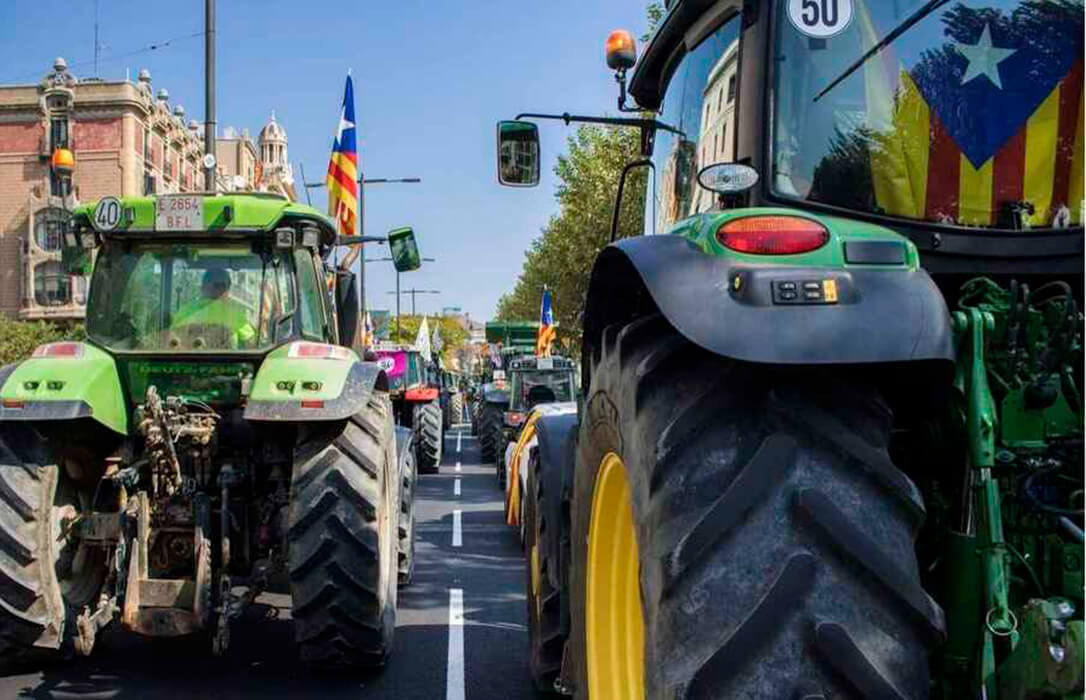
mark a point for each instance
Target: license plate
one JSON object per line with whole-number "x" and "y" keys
{"x": 179, "y": 212}
{"x": 545, "y": 363}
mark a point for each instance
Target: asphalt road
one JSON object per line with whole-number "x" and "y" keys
{"x": 262, "y": 661}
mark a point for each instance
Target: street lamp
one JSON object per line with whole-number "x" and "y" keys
{"x": 397, "y": 292}
{"x": 353, "y": 253}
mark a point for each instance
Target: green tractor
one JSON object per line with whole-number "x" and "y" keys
{"x": 416, "y": 402}
{"x": 831, "y": 444}
{"x": 512, "y": 339}
{"x": 452, "y": 397}
{"x": 213, "y": 433}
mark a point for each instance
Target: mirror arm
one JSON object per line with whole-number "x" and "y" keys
{"x": 621, "y": 184}
{"x": 354, "y": 240}
{"x": 649, "y": 127}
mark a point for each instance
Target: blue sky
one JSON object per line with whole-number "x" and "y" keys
{"x": 431, "y": 80}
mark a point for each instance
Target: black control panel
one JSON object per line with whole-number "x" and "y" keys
{"x": 805, "y": 291}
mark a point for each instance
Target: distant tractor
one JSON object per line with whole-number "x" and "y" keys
{"x": 831, "y": 443}
{"x": 533, "y": 381}
{"x": 214, "y": 430}
{"x": 416, "y": 402}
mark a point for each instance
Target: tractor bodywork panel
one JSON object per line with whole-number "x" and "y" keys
{"x": 60, "y": 388}
{"x": 293, "y": 389}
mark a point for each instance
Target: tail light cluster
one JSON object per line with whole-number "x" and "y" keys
{"x": 772, "y": 235}
{"x": 317, "y": 351}
{"x": 513, "y": 418}
{"x": 66, "y": 350}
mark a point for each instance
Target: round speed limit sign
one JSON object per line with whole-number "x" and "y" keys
{"x": 107, "y": 214}
{"x": 820, "y": 19}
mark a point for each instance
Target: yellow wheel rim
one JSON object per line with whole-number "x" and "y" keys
{"x": 535, "y": 579}
{"x": 615, "y": 628}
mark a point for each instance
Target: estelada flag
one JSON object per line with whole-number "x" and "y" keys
{"x": 990, "y": 120}
{"x": 546, "y": 326}
{"x": 342, "y": 178}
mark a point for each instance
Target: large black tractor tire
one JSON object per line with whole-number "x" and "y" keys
{"x": 344, "y": 513}
{"x": 406, "y": 552}
{"x": 476, "y": 411}
{"x": 774, "y": 534}
{"x": 40, "y": 594}
{"x": 542, "y": 562}
{"x": 429, "y": 437}
{"x": 490, "y": 436}
{"x": 456, "y": 409}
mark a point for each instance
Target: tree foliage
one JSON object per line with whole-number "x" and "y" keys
{"x": 561, "y": 257}
{"x": 453, "y": 335}
{"x": 19, "y": 338}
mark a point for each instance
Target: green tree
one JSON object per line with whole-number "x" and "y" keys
{"x": 452, "y": 334}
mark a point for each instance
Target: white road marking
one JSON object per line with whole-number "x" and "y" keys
{"x": 454, "y": 677}
{"x": 456, "y": 487}
{"x": 456, "y": 540}
{"x": 458, "y": 437}
{"x": 458, "y": 466}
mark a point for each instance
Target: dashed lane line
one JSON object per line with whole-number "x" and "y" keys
{"x": 454, "y": 677}
{"x": 456, "y": 487}
{"x": 459, "y": 436}
{"x": 457, "y": 466}
{"x": 457, "y": 539}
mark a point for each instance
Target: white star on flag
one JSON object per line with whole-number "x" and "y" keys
{"x": 984, "y": 59}
{"x": 343, "y": 125}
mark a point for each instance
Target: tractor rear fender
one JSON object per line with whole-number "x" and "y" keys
{"x": 882, "y": 314}
{"x": 492, "y": 395}
{"x": 294, "y": 390}
{"x": 84, "y": 384}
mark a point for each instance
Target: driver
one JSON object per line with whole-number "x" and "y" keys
{"x": 216, "y": 308}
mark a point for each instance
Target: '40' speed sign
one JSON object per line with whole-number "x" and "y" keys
{"x": 107, "y": 214}
{"x": 820, "y": 19}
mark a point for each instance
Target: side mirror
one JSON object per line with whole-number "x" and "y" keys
{"x": 405, "y": 251}
{"x": 728, "y": 178}
{"x": 75, "y": 253}
{"x": 518, "y": 154}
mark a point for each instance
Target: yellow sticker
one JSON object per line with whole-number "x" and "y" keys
{"x": 737, "y": 283}
{"x": 829, "y": 291}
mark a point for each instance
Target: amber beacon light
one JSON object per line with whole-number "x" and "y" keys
{"x": 621, "y": 50}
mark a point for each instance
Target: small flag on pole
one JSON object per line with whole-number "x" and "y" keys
{"x": 342, "y": 178}
{"x": 546, "y": 326}
{"x": 422, "y": 340}
{"x": 367, "y": 332}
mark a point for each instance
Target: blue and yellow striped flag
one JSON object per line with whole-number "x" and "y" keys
{"x": 343, "y": 168}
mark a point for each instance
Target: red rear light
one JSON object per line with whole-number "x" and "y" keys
{"x": 317, "y": 351}
{"x": 772, "y": 235}
{"x": 312, "y": 404}
{"x": 12, "y": 403}
{"x": 66, "y": 349}
{"x": 513, "y": 418}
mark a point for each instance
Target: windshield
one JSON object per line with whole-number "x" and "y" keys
{"x": 971, "y": 116}
{"x": 700, "y": 102}
{"x": 532, "y": 387}
{"x": 155, "y": 297}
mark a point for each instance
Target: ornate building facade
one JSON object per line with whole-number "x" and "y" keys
{"x": 64, "y": 140}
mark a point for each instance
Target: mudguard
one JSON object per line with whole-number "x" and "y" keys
{"x": 65, "y": 388}
{"x": 882, "y": 314}
{"x": 343, "y": 387}
{"x": 555, "y": 434}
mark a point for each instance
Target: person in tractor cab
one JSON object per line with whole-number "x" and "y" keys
{"x": 215, "y": 308}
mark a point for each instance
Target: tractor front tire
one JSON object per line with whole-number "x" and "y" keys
{"x": 546, "y": 639}
{"x": 749, "y": 523}
{"x": 408, "y": 478}
{"x": 344, "y": 513}
{"x": 490, "y": 436}
{"x": 428, "y": 436}
{"x": 41, "y": 587}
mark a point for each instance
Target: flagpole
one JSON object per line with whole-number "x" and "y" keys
{"x": 361, "y": 232}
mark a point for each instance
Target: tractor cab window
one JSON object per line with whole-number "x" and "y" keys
{"x": 183, "y": 298}
{"x": 699, "y": 102}
{"x": 971, "y": 116}
{"x": 530, "y": 388}
{"x": 311, "y": 312}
